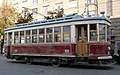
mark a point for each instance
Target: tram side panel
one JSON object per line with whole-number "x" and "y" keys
{"x": 53, "y": 50}
{"x": 99, "y": 49}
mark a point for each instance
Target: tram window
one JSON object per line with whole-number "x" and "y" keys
{"x": 28, "y": 36}
{"x": 5, "y": 41}
{"x": 41, "y": 35}
{"x": 16, "y": 38}
{"x": 41, "y": 31}
{"x": 22, "y": 38}
{"x": 66, "y": 34}
{"x": 57, "y": 34}
{"x": 34, "y": 36}
{"x": 49, "y": 30}
{"x": 102, "y": 32}
{"x": 93, "y": 32}
{"x": 108, "y": 33}
{"x": 79, "y": 34}
{"x": 49, "y": 36}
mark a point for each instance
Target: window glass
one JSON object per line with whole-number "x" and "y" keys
{"x": 34, "y": 32}
{"x": 5, "y": 41}
{"x": 22, "y": 38}
{"x": 16, "y": 39}
{"x": 41, "y": 38}
{"x": 34, "y": 39}
{"x": 108, "y": 33}
{"x": 93, "y": 32}
{"x": 66, "y": 28}
{"x": 49, "y": 30}
{"x": 72, "y": 4}
{"x": 102, "y": 32}
{"x": 66, "y": 34}
{"x": 57, "y": 34}
{"x": 66, "y": 37}
{"x": 79, "y": 34}
{"x": 57, "y": 29}
{"x": 34, "y": 36}
{"x": 45, "y": 9}
{"x": 49, "y": 36}
{"x": 41, "y": 31}
{"x": 58, "y": 6}
{"x": 35, "y": 1}
{"x": 28, "y": 36}
{"x": 41, "y": 35}
{"x": 28, "y": 32}
{"x": 90, "y": 1}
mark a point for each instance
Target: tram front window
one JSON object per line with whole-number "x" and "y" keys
{"x": 102, "y": 32}
{"x": 93, "y": 32}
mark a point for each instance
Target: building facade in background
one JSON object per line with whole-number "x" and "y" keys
{"x": 82, "y": 7}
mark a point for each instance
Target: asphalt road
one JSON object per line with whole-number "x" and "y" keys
{"x": 8, "y": 67}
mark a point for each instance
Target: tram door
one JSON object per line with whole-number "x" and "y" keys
{"x": 81, "y": 36}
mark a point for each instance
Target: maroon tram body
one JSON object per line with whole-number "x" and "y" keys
{"x": 77, "y": 50}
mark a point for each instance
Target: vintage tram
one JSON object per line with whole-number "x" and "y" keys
{"x": 67, "y": 40}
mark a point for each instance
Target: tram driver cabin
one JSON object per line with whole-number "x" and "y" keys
{"x": 70, "y": 39}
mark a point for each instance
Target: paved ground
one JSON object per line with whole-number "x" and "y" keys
{"x": 8, "y": 67}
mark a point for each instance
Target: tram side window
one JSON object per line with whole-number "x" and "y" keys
{"x": 41, "y": 35}
{"x": 108, "y": 33}
{"x": 93, "y": 32}
{"x": 34, "y": 36}
{"x": 102, "y": 32}
{"x": 22, "y": 38}
{"x": 49, "y": 36}
{"x": 28, "y": 36}
{"x": 66, "y": 34}
{"x": 5, "y": 41}
{"x": 16, "y": 38}
{"x": 57, "y": 34}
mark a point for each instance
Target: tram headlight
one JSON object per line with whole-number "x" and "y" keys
{"x": 109, "y": 48}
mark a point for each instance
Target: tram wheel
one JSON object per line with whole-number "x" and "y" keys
{"x": 56, "y": 62}
{"x": 28, "y": 60}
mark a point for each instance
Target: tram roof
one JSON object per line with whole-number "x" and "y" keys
{"x": 67, "y": 18}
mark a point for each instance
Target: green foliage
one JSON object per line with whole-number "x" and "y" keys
{"x": 24, "y": 17}
{"x": 7, "y": 19}
{"x": 7, "y": 15}
{"x": 55, "y": 14}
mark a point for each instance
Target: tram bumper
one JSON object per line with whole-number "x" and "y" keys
{"x": 105, "y": 57}
{"x": 105, "y": 60}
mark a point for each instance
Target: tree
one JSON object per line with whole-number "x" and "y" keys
{"x": 25, "y": 16}
{"x": 7, "y": 18}
{"x": 55, "y": 14}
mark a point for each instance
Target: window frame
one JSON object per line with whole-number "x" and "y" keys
{"x": 34, "y": 36}
{"x": 22, "y": 36}
{"x": 101, "y": 33}
{"x": 64, "y": 33}
{"x": 93, "y": 32}
{"x": 59, "y": 33}
{"x": 41, "y": 34}
{"x": 16, "y": 37}
{"x": 26, "y": 37}
{"x": 49, "y": 39}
